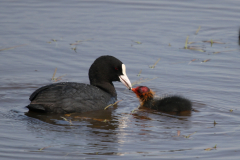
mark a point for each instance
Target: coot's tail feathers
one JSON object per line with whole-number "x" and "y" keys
{"x": 36, "y": 107}
{"x": 35, "y": 93}
{"x": 173, "y": 103}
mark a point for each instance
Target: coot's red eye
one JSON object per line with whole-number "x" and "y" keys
{"x": 116, "y": 68}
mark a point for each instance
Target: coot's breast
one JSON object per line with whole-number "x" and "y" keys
{"x": 69, "y": 97}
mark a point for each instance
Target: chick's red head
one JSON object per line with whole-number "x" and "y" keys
{"x": 143, "y": 93}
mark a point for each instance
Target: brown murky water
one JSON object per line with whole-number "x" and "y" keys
{"x": 36, "y": 37}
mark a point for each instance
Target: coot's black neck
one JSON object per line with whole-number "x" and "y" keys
{"x": 107, "y": 87}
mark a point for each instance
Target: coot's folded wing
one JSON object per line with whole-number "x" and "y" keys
{"x": 68, "y": 97}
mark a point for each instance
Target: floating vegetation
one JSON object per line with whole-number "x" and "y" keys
{"x": 178, "y": 133}
{"x": 54, "y": 74}
{"x": 79, "y": 41}
{"x": 192, "y": 60}
{"x": 139, "y": 73}
{"x": 186, "y": 43}
{"x": 190, "y": 135}
{"x": 212, "y": 41}
{"x": 53, "y": 40}
{"x": 112, "y": 104}
{"x": 69, "y": 121}
{"x": 138, "y": 42}
{"x": 153, "y": 66}
{"x": 141, "y": 80}
{"x": 13, "y": 47}
{"x": 209, "y": 149}
{"x": 43, "y": 148}
{"x": 206, "y": 60}
{"x": 58, "y": 78}
{"x": 192, "y": 42}
{"x": 135, "y": 109}
{"x": 198, "y": 30}
{"x": 214, "y": 122}
{"x": 75, "y": 49}
{"x": 224, "y": 51}
{"x": 196, "y": 48}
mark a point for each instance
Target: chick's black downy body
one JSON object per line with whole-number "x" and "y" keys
{"x": 173, "y": 103}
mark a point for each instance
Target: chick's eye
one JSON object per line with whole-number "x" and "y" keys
{"x": 116, "y": 68}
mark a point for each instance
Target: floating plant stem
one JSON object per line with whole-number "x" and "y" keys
{"x": 155, "y": 63}
{"x": 112, "y": 104}
{"x": 139, "y": 73}
{"x": 186, "y": 42}
{"x": 198, "y": 30}
{"x": 54, "y": 74}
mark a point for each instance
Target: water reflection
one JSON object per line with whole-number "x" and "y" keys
{"x": 239, "y": 37}
{"x": 92, "y": 132}
{"x": 99, "y": 119}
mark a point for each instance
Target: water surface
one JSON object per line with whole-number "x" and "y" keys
{"x": 36, "y": 38}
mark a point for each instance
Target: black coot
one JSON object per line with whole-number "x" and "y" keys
{"x": 69, "y": 97}
{"x": 173, "y": 103}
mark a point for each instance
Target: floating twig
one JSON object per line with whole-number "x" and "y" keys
{"x": 198, "y": 30}
{"x": 59, "y": 78}
{"x": 13, "y": 47}
{"x": 209, "y": 149}
{"x": 212, "y": 41}
{"x": 44, "y": 148}
{"x": 75, "y": 49}
{"x": 192, "y": 60}
{"x": 178, "y": 133}
{"x": 112, "y": 104}
{"x": 224, "y": 51}
{"x": 214, "y": 122}
{"x": 135, "y": 109}
{"x": 54, "y": 74}
{"x": 137, "y": 42}
{"x": 155, "y": 63}
{"x": 190, "y": 135}
{"x": 186, "y": 43}
{"x": 78, "y": 42}
{"x": 206, "y": 60}
{"x": 196, "y": 48}
{"x": 139, "y": 73}
{"x": 69, "y": 121}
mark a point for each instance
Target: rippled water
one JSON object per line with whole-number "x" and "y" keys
{"x": 36, "y": 37}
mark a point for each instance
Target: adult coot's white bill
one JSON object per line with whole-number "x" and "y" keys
{"x": 69, "y": 97}
{"x": 173, "y": 103}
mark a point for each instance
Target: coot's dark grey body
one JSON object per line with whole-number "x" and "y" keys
{"x": 69, "y": 97}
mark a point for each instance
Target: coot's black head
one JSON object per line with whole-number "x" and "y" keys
{"x": 107, "y": 69}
